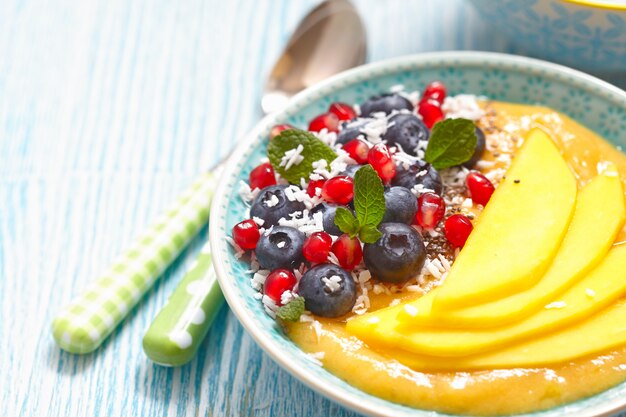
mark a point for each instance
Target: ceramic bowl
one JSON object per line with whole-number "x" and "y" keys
{"x": 587, "y": 34}
{"x": 592, "y": 102}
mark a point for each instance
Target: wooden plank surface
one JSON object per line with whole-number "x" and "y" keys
{"x": 108, "y": 109}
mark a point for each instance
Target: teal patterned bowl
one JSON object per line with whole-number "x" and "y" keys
{"x": 592, "y": 102}
{"x": 587, "y": 34}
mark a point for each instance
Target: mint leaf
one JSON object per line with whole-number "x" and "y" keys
{"x": 292, "y": 310}
{"x": 451, "y": 143}
{"x": 346, "y": 222}
{"x": 314, "y": 150}
{"x": 369, "y": 234}
{"x": 369, "y": 196}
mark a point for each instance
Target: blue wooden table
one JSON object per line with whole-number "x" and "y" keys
{"x": 108, "y": 109}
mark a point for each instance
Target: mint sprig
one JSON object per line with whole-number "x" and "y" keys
{"x": 292, "y": 310}
{"x": 369, "y": 207}
{"x": 452, "y": 142}
{"x": 313, "y": 150}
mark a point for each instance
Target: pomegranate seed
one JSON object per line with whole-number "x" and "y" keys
{"x": 457, "y": 229}
{"x": 317, "y": 247}
{"x": 262, "y": 176}
{"x": 311, "y": 189}
{"x": 348, "y": 251}
{"x": 431, "y": 112}
{"x": 276, "y": 130}
{"x": 246, "y": 234}
{"x": 430, "y": 210}
{"x": 435, "y": 91}
{"x": 339, "y": 190}
{"x": 277, "y": 282}
{"x": 358, "y": 150}
{"x": 328, "y": 120}
{"x": 480, "y": 187}
{"x": 342, "y": 110}
{"x": 381, "y": 161}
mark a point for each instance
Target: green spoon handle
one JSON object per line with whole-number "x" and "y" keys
{"x": 87, "y": 321}
{"x": 177, "y": 331}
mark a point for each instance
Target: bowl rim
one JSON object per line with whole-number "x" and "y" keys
{"x": 236, "y": 304}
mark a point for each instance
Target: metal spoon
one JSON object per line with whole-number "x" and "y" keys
{"x": 330, "y": 39}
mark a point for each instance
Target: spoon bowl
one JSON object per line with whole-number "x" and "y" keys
{"x": 329, "y": 40}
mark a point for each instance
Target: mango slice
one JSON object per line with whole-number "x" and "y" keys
{"x": 601, "y": 287}
{"x": 600, "y": 333}
{"x": 598, "y": 217}
{"x": 519, "y": 231}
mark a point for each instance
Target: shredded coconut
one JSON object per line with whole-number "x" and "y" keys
{"x": 463, "y": 106}
{"x": 304, "y": 222}
{"x": 333, "y": 283}
{"x": 258, "y": 279}
{"x": 292, "y": 157}
{"x": 287, "y": 296}
{"x": 246, "y": 193}
{"x": 238, "y": 251}
{"x": 272, "y": 201}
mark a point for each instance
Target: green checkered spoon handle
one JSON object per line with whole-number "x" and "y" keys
{"x": 84, "y": 324}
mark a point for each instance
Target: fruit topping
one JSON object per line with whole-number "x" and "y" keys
{"x": 328, "y": 121}
{"x": 348, "y": 251}
{"x": 314, "y": 188}
{"x": 380, "y": 159}
{"x": 328, "y": 218}
{"x": 351, "y": 131}
{"x": 281, "y": 247}
{"x": 480, "y": 187}
{"x": 262, "y": 176}
{"x": 457, "y": 229}
{"x": 435, "y": 90}
{"x": 338, "y": 190}
{"x": 343, "y": 111}
{"x": 398, "y": 255}
{"x": 420, "y": 177}
{"x": 351, "y": 170}
{"x": 317, "y": 247}
{"x": 430, "y": 210}
{"x": 277, "y": 129}
{"x": 431, "y": 112}
{"x": 407, "y": 131}
{"x": 277, "y": 282}
{"x": 246, "y": 234}
{"x": 272, "y": 204}
{"x": 400, "y": 205}
{"x": 328, "y": 290}
{"x": 357, "y": 149}
{"x": 385, "y": 103}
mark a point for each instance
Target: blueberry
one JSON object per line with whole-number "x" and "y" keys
{"x": 400, "y": 205}
{"x": 478, "y": 151}
{"x": 272, "y": 204}
{"x": 406, "y": 130}
{"x": 414, "y": 175}
{"x": 351, "y": 170}
{"x": 328, "y": 290}
{"x": 350, "y": 130}
{"x": 385, "y": 103}
{"x": 398, "y": 255}
{"x": 328, "y": 216}
{"x": 280, "y": 248}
